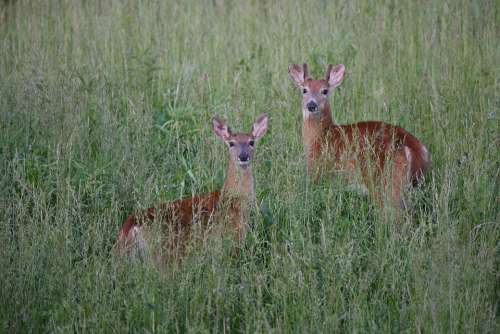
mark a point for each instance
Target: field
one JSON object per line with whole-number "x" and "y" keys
{"x": 106, "y": 107}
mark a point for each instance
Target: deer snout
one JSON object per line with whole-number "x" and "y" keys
{"x": 244, "y": 157}
{"x": 312, "y": 106}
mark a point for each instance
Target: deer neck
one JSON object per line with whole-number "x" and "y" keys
{"x": 315, "y": 128}
{"x": 239, "y": 182}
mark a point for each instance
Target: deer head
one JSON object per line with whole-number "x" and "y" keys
{"x": 316, "y": 93}
{"x": 241, "y": 145}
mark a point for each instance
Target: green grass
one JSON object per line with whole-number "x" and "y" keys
{"x": 105, "y": 107}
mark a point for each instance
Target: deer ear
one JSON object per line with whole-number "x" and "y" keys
{"x": 298, "y": 73}
{"x": 221, "y": 129}
{"x": 259, "y": 128}
{"x": 335, "y": 75}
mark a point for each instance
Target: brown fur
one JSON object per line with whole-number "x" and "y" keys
{"x": 229, "y": 205}
{"x": 180, "y": 213}
{"x": 355, "y": 147}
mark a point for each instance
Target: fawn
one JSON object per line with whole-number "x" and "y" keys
{"x": 228, "y": 207}
{"x": 368, "y": 148}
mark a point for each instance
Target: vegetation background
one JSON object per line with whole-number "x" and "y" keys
{"x": 105, "y": 107}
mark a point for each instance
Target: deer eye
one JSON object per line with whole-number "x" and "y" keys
{"x": 325, "y": 91}
{"x": 231, "y": 143}
{"x": 251, "y": 143}
{"x": 304, "y": 91}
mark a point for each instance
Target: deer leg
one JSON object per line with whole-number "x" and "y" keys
{"x": 400, "y": 177}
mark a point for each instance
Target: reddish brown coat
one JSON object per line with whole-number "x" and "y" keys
{"x": 380, "y": 140}
{"x": 230, "y": 204}
{"x": 355, "y": 147}
{"x": 180, "y": 214}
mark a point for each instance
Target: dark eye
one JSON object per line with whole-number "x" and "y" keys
{"x": 251, "y": 142}
{"x": 325, "y": 91}
{"x": 231, "y": 143}
{"x": 304, "y": 90}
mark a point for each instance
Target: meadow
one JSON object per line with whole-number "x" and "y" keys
{"x": 106, "y": 108}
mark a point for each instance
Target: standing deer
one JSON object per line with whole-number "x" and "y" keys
{"x": 228, "y": 207}
{"x": 382, "y": 154}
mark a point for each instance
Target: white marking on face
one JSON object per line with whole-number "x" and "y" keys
{"x": 244, "y": 164}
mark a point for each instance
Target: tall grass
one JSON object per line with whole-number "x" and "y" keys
{"x": 105, "y": 108}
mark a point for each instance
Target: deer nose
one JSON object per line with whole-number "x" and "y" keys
{"x": 312, "y": 106}
{"x": 243, "y": 157}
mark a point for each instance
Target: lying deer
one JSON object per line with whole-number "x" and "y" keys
{"x": 379, "y": 154}
{"x": 228, "y": 207}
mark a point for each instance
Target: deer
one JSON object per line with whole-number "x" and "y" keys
{"x": 378, "y": 154}
{"x": 228, "y": 207}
